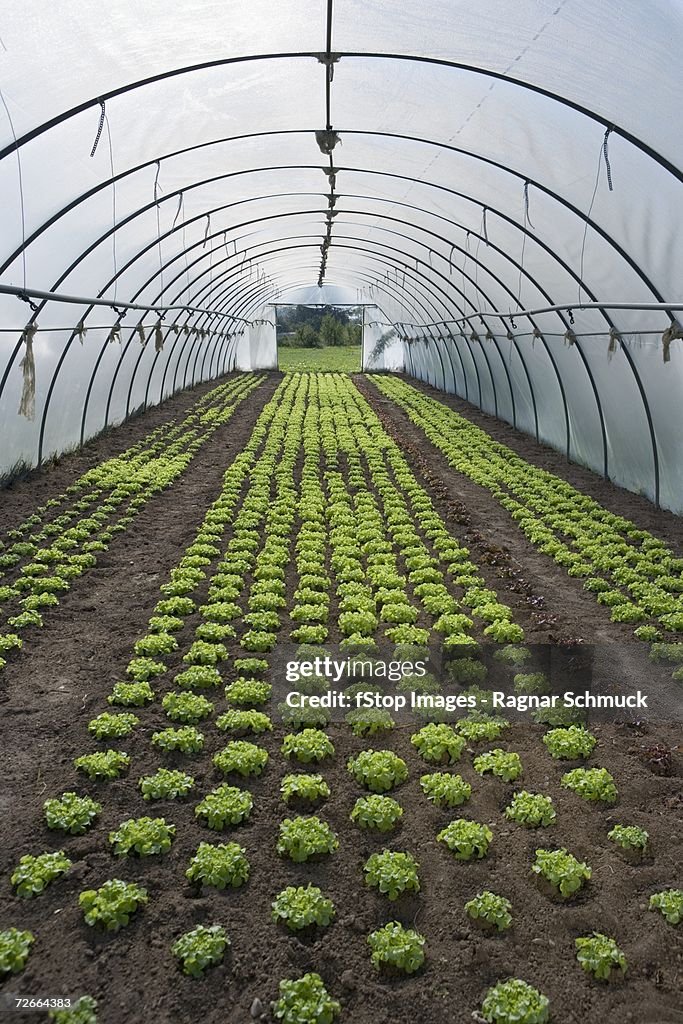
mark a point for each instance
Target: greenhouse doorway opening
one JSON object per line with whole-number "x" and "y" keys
{"x": 319, "y": 337}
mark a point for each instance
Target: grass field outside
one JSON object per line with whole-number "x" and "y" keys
{"x": 342, "y": 359}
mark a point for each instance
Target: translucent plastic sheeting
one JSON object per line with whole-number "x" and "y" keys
{"x": 382, "y": 349}
{"x": 260, "y": 348}
{"x": 487, "y": 163}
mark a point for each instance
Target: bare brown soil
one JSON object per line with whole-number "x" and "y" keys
{"x": 62, "y": 680}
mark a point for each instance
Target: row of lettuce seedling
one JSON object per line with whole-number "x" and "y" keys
{"x": 628, "y": 569}
{"x": 42, "y": 558}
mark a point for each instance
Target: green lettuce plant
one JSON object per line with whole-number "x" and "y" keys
{"x": 71, "y": 813}
{"x": 251, "y": 666}
{"x": 630, "y": 838}
{"x": 219, "y": 866}
{"x": 398, "y": 948}
{"x": 600, "y": 956}
{"x": 593, "y": 784}
{"x": 155, "y": 645}
{"x": 515, "y": 1002}
{"x": 378, "y": 770}
{"x": 310, "y": 745}
{"x": 531, "y": 809}
{"x": 376, "y": 813}
{"x": 82, "y": 1011}
{"x": 142, "y": 836}
{"x": 261, "y": 641}
{"x": 215, "y": 632}
{"x": 531, "y": 682}
{"x": 669, "y": 902}
{"x": 300, "y": 907}
{"x": 201, "y": 948}
{"x": 165, "y": 624}
{"x": 506, "y": 765}
{"x": 513, "y": 655}
{"x": 15, "y": 947}
{"x": 241, "y": 757}
{"x": 490, "y": 910}
{"x": 392, "y": 873}
{"x": 479, "y": 726}
{"x": 305, "y": 1001}
{"x": 144, "y": 669}
{"x": 242, "y": 723}
{"x": 570, "y": 743}
{"x": 33, "y": 874}
{"x": 445, "y": 790}
{"x": 177, "y": 606}
{"x": 188, "y": 708}
{"x": 198, "y": 677}
{"x": 438, "y": 744}
{"x": 302, "y": 787}
{"x": 248, "y": 692}
{"x": 109, "y": 726}
{"x": 563, "y": 872}
{"x": 225, "y": 805}
{"x": 107, "y": 764}
{"x": 10, "y": 642}
{"x": 203, "y": 653}
{"x": 166, "y": 784}
{"x": 112, "y": 905}
{"x": 467, "y": 671}
{"x": 369, "y": 721}
{"x": 305, "y": 837}
{"x": 131, "y": 694}
{"x": 467, "y": 840}
{"x": 23, "y": 621}
{"x": 186, "y": 740}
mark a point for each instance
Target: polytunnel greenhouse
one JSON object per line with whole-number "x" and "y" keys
{"x": 341, "y": 559}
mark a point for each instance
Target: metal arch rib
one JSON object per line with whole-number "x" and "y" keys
{"x": 357, "y": 55}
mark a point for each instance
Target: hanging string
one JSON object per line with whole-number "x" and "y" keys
{"x": 476, "y": 273}
{"x": 603, "y": 155}
{"x": 484, "y": 227}
{"x": 527, "y": 218}
{"x": 177, "y": 213}
{"x": 527, "y": 224}
{"x": 21, "y": 190}
{"x": 157, "y": 190}
{"x": 187, "y": 262}
{"x": 464, "y": 264}
{"x": 113, "y": 200}
{"x": 206, "y": 241}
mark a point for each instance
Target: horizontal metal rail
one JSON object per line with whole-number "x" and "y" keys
{"x": 569, "y": 307}
{"x": 35, "y": 293}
